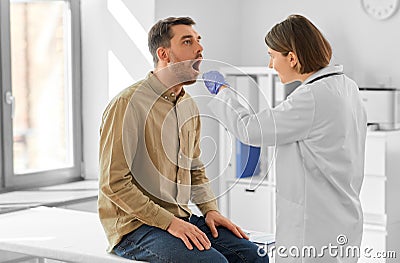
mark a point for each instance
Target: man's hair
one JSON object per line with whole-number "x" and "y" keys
{"x": 160, "y": 34}
{"x": 298, "y": 35}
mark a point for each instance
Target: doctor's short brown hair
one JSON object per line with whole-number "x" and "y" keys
{"x": 298, "y": 35}
{"x": 161, "y": 34}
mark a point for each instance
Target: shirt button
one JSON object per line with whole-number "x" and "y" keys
{"x": 172, "y": 94}
{"x": 180, "y": 156}
{"x": 179, "y": 181}
{"x": 166, "y": 97}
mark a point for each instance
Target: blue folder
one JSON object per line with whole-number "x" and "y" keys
{"x": 247, "y": 160}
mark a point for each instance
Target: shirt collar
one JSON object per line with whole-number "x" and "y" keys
{"x": 161, "y": 90}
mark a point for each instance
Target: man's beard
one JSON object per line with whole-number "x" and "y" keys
{"x": 183, "y": 71}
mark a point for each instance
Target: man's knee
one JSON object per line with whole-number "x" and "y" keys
{"x": 213, "y": 257}
{"x": 258, "y": 256}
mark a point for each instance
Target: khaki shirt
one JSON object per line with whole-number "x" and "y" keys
{"x": 149, "y": 160}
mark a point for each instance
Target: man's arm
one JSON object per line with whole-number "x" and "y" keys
{"x": 115, "y": 176}
{"x": 116, "y": 155}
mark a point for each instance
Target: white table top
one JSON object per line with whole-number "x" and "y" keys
{"x": 56, "y": 233}
{"x": 49, "y": 196}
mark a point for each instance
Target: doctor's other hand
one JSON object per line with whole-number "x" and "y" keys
{"x": 215, "y": 219}
{"x": 214, "y": 81}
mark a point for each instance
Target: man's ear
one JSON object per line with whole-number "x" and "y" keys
{"x": 292, "y": 59}
{"x": 163, "y": 54}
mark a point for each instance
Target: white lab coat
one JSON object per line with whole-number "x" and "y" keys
{"x": 320, "y": 132}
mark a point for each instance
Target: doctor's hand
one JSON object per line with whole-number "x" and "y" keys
{"x": 214, "y": 81}
{"x": 214, "y": 219}
{"x": 189, "y": 234}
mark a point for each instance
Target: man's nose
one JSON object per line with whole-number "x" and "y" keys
{"x": 199, "y": 48}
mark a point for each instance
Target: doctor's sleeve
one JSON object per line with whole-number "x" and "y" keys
{"x": 288, "y": 122}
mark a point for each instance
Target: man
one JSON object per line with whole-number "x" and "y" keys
{"x": 150, "y": 167}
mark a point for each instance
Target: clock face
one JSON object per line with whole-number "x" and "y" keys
{"x": 380, "y": 9}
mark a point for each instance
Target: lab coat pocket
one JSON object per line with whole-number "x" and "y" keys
{"x": 290, "y": 222}
{"x": 290, "y": 179}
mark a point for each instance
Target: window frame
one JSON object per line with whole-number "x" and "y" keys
{"x": 9, "y": 180}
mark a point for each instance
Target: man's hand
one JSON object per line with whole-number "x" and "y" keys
{"x": 214, "y": 81}
{"x": 189, "y": 234}
{"x": 214, "y": 219}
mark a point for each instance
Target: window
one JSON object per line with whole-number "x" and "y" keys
{"x": 40, "y": 85}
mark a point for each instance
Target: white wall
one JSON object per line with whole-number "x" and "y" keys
{"x": 233, "y": 32}
{"x": 111, "y": 60}
{"x": 366, "y": 47}
{"x": 107, "y": 50}
{"x": 217, "y": 23}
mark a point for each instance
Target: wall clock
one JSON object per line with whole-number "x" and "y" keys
{"x": 380, "y": 9}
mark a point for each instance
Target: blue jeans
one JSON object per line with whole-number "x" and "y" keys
{"x": 153, "y": 244}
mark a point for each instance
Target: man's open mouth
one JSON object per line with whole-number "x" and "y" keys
{"x": 196, "y": 65}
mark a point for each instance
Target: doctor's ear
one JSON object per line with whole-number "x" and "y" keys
{"x": 163, "y": 54}
{"x": 292, "y": 59}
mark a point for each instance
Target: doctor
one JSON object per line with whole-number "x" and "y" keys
{"x": 319, "y": 131}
